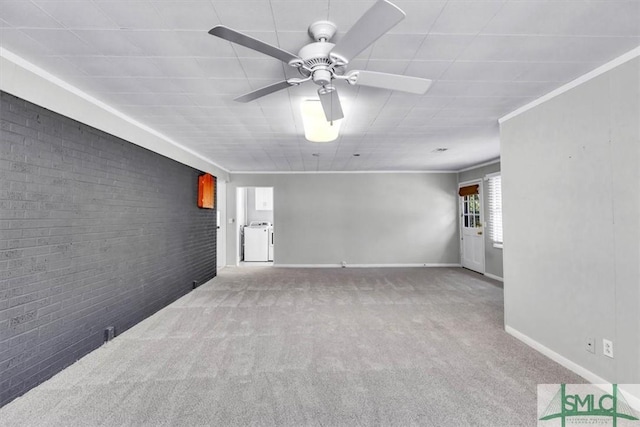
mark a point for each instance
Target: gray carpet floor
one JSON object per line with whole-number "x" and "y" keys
{"x": 296, "y": 347}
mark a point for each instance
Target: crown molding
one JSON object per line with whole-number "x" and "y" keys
{"x": 632, "y": 54}
{"x": 480, "y": 165}
{"x": 331, "y": 172}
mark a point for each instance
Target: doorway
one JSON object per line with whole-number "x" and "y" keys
{"x": 255, "y": 238}
{"x": 471, "y": 226}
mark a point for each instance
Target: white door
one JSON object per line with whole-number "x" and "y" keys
{"x": 471, "y": 230}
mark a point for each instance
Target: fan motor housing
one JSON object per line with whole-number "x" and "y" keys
{"x": 317, "y": 63}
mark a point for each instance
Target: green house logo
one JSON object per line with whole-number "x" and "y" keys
{"x": 592, "y": 407}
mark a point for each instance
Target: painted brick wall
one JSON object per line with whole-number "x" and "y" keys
{"x": 94, "y": 232}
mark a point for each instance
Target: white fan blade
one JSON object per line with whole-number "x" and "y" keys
{"x": 376, "y": 21}
{"x": 255, "y": 44}
{"x": 263, "y": 91}
{"x": 390, "y": 81}
{"x": 331, "y": 104}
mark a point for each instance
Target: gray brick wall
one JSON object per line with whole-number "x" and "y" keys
{"x": 94, "y": 232}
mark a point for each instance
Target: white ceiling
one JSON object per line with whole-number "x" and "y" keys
{"x": 153, "y": 60}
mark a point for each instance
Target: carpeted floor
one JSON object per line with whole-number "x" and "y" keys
{"x": 295, "y": 347}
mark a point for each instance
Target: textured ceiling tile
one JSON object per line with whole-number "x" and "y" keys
{"x": 429, "y": 101}
{"x": 155, "y": 43}
{"x": 63, "y": 67}
{"x": 263, "y": 68}
{"x": 110, "y": 66}
{"x": 16, "y": 41}
{"x": 428, "y": 69}
{"x": 506, "y": 48}
{"x": 62, "y": 42}
{"x": 24, "y": 14}
{"x": 111, "y": 85}
{"x": 213, "y": 86}
{"x": 109, "y": 43}
{"x": 298, "y": 15}
{"x": 77, "y": 14}
{"x": 420, "y": 18}
{"x": 554, "y": 72}
{"x": 397, "y": 46}
{"x": 134, "y": 15}
{"x": 592, "y": 18}
{"x": 187, "y": 15}
{"x": 448, "y": 89}
{"x": 178, "y": 67}
{"x": 245, "y": 16}
{"x": 221, "y": 67}
{"x": 466, "y": 17}
{"x": 201, "y": 43}
{"x": 508, "y": 89}
{"x": 483, "y": 71}
{"x": 442, "y": 47}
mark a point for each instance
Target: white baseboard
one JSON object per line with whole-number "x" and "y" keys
{"x": 632, "y": 399}
{"x": 364, "y": 265}
{"x": 494, "y": 277}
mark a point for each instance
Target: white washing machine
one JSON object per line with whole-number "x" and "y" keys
{"x": 270, "y": 256}
{"x": 258, "y": 240}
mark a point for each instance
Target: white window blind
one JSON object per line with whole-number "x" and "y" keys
{"x": 495, "y": 208}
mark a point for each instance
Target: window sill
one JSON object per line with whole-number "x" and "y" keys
{"x": 498, "y": 245}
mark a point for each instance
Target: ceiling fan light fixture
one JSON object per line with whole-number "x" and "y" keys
{"x": 316, "y": 126}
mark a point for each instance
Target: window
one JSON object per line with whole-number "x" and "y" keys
{"x": 471, "y": 211}
{"x": 495, "y": 209}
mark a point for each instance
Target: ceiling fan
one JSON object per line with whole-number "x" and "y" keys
{"x": 322, "y": 61}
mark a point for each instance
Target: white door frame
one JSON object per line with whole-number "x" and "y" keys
{"x": 242, "y": 207}
{"x": 480, "y": 184}
{"x": 221, "y": 231}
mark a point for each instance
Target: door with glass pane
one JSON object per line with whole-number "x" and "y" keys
{"x": 471, "y": 227}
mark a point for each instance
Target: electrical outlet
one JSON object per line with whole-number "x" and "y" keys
{"x": 109, "y": 333}
{"x": 591, "y": 345}
{"x": 607, "y": 348}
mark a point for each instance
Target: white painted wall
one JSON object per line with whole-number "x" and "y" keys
{"x": 383, "y": 218}
{"x": 571, "y": 223}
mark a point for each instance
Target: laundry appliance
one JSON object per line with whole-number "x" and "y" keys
{"x": 258, "y": 242}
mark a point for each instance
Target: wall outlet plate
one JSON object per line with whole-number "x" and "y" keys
{"x": 607, "y": 348}
{"x": 590, "y": 345}
{"x": 109, "y": 333}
